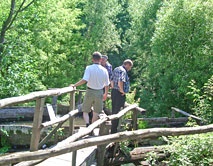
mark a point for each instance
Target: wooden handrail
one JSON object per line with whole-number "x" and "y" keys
{"x": 94, "y": 125}
{"x": 60, "y": 120}
{"x": 127, "y": 135}
{"x": 186, "y": 114}
{"x": 89, "y": 129}
{"x": 142, "y": 110}
{"x": 34, "y": 95}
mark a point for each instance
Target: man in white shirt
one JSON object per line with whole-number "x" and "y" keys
{"x": 96, "y": 77}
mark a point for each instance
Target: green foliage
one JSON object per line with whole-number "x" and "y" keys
{"x": 203, "y": 100}
{"x": 191, "y": 150}
{"x": 142, "y": 124}
{"x": 124, "y": 147}
{"x": 152, "y": 158}
{"x": 180, "y": 51}
{"x": 4, "y": 141}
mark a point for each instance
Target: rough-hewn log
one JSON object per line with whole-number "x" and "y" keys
{"x": 32, "y": 96}
{"x": 19, "y": 113}
{"x": 137, "y": 108}
{"x": 136, "y": 154}
{"x": 36, "y": 131}
{"x": 59, "y": 120}
{"x": 50, "y": 111}
{"x": 127, "y": 135}
{"x": 101, "y": 150}
{"x": 49, "y": 135}
{"x": 89, "y": 129}
{"x": 186, "y": 114}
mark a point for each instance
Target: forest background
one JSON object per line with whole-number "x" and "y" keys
{"x": 47, "y": 44}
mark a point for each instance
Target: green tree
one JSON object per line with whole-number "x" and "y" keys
{"x": 17, "y": 70}
{"x": 181, "y": 51}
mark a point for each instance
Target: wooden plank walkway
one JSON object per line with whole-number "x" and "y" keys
{"x": 85, "y": 157}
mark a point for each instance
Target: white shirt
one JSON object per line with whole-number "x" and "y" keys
{"x": 96, "y": 76}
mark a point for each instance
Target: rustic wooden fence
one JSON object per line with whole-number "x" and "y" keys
{"x": 40, "y": 97}
{"x": 72, "y": 143}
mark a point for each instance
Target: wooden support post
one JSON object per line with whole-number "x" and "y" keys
{"x": 117, "y": 143}
{"x": 37, "y": 120}
{"x": 173, "y": 114}
{"x": 101, "y": 150}
{"x": 72, "y": 107}
{"x": 50, "y": 135}
{"x": 71, "y": 125}
{"x": 135, "y": 119}
{"x": 54, "y": 103}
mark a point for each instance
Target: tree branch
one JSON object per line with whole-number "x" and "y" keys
{"x": 28, "y": 5}
{"x": 5, "y": 25}
{"x": 18, "y": 11}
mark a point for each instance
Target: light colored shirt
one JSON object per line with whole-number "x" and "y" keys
{"x": 96, "y": 76}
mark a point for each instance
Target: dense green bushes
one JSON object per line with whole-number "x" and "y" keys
{"x": 191, "y": 150}
{"x": 178, "y": 50}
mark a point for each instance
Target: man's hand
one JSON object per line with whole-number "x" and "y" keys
{"x": 72, "y": 85}
{"x": 123, "y": 93}
{"x": 105, "y": 96}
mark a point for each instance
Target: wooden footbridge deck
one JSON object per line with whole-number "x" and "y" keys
{"x": 65, "y": 152}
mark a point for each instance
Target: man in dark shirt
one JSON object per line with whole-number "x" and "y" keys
{"x": 120, "y": 86}
{"x": 107, "y": 65}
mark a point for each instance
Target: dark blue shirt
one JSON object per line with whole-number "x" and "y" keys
{"x": 120, "y": 74}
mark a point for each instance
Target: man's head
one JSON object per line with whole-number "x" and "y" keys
{"x": 104, "y": 59}
{"x": 128, "y": 64}
{"x": 96, "y": 57}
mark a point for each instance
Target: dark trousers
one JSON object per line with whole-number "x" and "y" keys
{"x": 117, "y": 102}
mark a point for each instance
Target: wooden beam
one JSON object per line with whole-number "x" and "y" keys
{"x": 34, "y": 95}
{"x": 101, "y": 150}
{"x": 141, "y": 110}
{"x": 89, "y": 129}
{"x": 186, "y": 114}
{"x": 137, "y": 154}
{"x": 50, "y": 134}
{"x": 59, "y": 120}
{"x": 71, "y": 125}
{"x": 35, "y": 138}
{"x": 51, "y": 112}
{"x": 127, "y": 135}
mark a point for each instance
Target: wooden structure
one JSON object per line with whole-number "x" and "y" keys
{"x": 40, "y": 96}
{"x": 73, "y": 142}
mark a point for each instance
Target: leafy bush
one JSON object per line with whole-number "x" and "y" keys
{"x": 4, "y": 141}
{"x": 190, "y": 150}
{"x": 202, "y": 99}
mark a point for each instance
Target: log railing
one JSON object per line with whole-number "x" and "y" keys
{"x": 40, "y": 97}
{"x": 127, "y": 135}
{"x": 198, "y": 120}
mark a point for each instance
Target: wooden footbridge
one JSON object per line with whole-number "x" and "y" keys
{"x": 77, "y": 141}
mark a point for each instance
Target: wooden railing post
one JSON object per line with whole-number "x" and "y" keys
{"x": 72, "y": 107}
{"x": 37, "y": 120}
{"x": 134, "y": 119}
{"x": 54, "y": 103}
{"x": 71, "y": 124}
{"x": 101, "y": 150}
{"x": 173, "y": 114}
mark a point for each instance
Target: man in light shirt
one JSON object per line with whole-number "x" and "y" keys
{"x": 96, "y": 77}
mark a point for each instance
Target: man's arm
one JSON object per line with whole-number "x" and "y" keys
{"x": 121, "y": 85}
{"x": 106, "y": 92}
{"x": 81, "y": 82}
